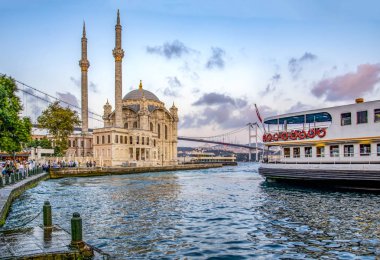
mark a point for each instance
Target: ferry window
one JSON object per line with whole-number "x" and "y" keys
{"x": 348, "y": 150}
{"x": 362, "y": 117}
{"x": 377, "y": 115}
{"x": 365, "y": 149}
{"x": 296, "y": 152}
{"x": 378, "y": 149}
{"x": 287, "y": 152}
{"x": 334, "y": 150}
{"x": 345, "y": 118}
{"x": 320, "y": 151}
{"x": 308, "y": 152}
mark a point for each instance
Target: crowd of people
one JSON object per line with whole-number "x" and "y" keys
{"x": 17, "y": 166}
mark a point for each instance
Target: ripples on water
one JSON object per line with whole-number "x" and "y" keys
{"x": 225, "y": 213}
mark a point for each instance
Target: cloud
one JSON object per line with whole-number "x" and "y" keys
{"x": 272, "y": 85}
{"x": 299, "y": 107}
{"x": 176, "y": 49}
{"x": 217, "y": 59}
{"x": 68, "y": 98}
{"x": 224, "y": 116}
{"x": 296, "y": 65}
{"x": 350, "y": 85}
{"x": 214, "y": 98}
{"x": 173, "y": 88}
{"x": 92, "y": 86}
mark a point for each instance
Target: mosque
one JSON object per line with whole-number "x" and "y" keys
{"x": 139, "y": 131}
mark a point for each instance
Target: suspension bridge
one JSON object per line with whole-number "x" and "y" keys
{"x": 35, "y": 101}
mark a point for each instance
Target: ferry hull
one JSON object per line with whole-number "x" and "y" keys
{"x": 355, "y": 179}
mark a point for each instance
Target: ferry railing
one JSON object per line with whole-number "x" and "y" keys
{"x": 345, "y": 158}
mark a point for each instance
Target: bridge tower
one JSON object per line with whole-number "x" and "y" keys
{"x": 84, "y": 64}
{"x": 118, "y": 54}
{"x": 250, "y": 135}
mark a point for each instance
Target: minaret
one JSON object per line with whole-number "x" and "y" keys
{"x": 118, "y": 53}
{"x": 84, "y": 65}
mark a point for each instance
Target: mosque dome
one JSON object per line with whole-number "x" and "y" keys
{"x": 140, "y": 93}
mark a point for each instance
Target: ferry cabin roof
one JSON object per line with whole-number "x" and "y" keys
{"x": 358, "y": 122}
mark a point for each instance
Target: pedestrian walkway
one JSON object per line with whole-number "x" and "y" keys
{"x": 40, "y": 243}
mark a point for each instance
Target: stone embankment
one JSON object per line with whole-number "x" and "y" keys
{"x": 12, "y": 190}
{"x": 101, "y": 171}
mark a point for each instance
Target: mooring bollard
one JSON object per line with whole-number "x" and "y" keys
{"x": 12, "y": 178}
{"x": 48, "y": 223}
{"x": 76, "y": 230}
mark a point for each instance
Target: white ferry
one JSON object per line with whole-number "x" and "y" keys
{"x": 338, "y": 146}
{"x": 204, "y": 157}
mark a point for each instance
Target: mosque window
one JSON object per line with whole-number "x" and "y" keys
{"x": 103, "y": 139}
{"x": 121, "y": 139}
{"x": 142, "y": 140}
{"x": 159, "y": 131}
{"x": 97, "y": 140}
{"x": 137, "y": 139}
{"x": 116, "y": 139}
{"x": 147, "y": 140}
{"x": 69, "y": 143}
{"x": 154, "y": 142}
{"x": 109, "y": 139}
{"x": 166, "y": 132}
{"x": 134, "y": 125}
{"x": 126, "y": 139}
{"x": 151, "y": 127}
{"x": 130, "y": 140}
{"x": 126, "y": 125}
{"x": 73, "y": 143}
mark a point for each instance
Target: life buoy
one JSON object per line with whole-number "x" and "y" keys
{"x": 275, "y": 137}
{"x": 321, "y": 132}
{"x": 264, "y": 138}
{"x": 269, "y": 137}
{"x": 311, "y": 133}
{"x": 284, "y": 136}
{"x": 302, "y": 135}
{"x": 293, "y": 135}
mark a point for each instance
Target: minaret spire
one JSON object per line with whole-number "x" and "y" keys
{"x": 118, "y": 54}
{"x": 84, "y": 65}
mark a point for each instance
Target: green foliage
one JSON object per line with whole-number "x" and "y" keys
{"x": 14, "y": 131}
{"x": 43, "y": 143}
{"x": 60, "y": 123}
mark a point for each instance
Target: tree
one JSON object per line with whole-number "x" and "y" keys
{"x": 43, "y": 143}
{"x": 14, "y": 131}
{"x": 60, "y": 123}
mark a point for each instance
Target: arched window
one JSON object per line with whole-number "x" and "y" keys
{"x": 130, "y": 140}
{"x": 121, "y": 139}
{"x": 147, "y": 140}
{"x": 137, "y": 139}
{"x": 69, "y": 143}
{"x": 154, "y": 142}
{"x": 159, "y": 131}
{"x": 166, "y": 132}
{"x": 134, "y": 125}
{"x": 126, "y": 139}
{"x": 126, "y": 125}
{"x": 151, "y": 127}
{"x": 142, "y": 140}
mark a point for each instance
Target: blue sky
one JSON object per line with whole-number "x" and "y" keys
{"x": 214, "y": 59}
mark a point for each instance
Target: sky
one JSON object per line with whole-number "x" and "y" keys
{"x": 213, "y": 59}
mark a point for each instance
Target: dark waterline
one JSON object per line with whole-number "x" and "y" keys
{"x": 226, "y": 213}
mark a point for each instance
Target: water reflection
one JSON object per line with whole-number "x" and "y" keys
{"x": 209, "y": 213}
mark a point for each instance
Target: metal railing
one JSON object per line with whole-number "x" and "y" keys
{"x": 345, "y": 158}
{"x": 16, "y": 176}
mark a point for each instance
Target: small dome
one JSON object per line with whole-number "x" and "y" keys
{"x": 139, "y": 93}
